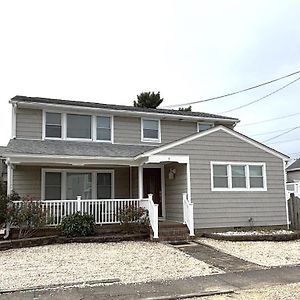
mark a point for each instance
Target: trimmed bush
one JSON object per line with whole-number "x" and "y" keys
{"x": 78, "y": 225}
{"x": 134, "y": 219}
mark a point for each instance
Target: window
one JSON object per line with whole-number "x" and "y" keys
{"x": 79, "y": 184}
{"x": 53, "y": 125}
{"x": 238, "y": 176}
{"x": 70, "y": 183}
{"x": 104, "y": 186}
{"x": 103, "y": 128}
{"x": 256, "y": 177}
{"x": 78, "y": 126}
{"x": 204, "y": 126}
{"x": 220, "y": 176}
{"x": 52, "y": 185}
{"x": 150, "y": 130}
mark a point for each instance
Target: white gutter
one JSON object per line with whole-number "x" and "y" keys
{"x": 121, "y": 112}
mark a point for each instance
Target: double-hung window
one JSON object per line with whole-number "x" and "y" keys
{"x": 150, "y": 130}
{"x": 104, "y": 128}
{"x": 70, "y": 183}
{"x": 238, "y": 176}
{"x": 79, "y": 126}
{"x": 53, "y": 125}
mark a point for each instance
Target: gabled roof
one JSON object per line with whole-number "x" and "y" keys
{"x": 72, "y": 148}
{"x": 170, "y": 112}
{"x": 210, "y": 131}
{"x": 294, "y": 166}
{"x": 2, "y": 150}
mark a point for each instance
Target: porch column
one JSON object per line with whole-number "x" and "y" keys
{"x": 140, "y": 176}
{"x": 9, "y": 177}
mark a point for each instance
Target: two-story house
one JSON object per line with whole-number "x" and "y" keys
{"x": 199, "y": 170}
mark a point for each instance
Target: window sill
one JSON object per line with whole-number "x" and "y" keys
{"x": 151, "y": 141}
{"x": 239, "y": 190}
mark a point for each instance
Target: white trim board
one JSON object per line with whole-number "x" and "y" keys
{"x": 120, "y": 112}
{"x": 212, "y": 130}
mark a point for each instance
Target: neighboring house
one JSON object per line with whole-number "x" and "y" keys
{"x": 293, "y": 171}
{"x": 199, "y": 170}
{"x": 3, "y": 168}
{"x": 293, "y": 178}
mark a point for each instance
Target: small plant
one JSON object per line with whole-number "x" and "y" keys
{"x": 134, "y": 219}
{"x": 27, "y": 215}
{"x": 78, "y": 225}
{"x": 3, "y": 203}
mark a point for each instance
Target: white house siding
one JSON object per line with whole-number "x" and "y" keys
{"x": 232, "y": 209}
{"x": 27, "y": 180}
{"x": 173, "y": 191}
{"x": 29, "y": 123}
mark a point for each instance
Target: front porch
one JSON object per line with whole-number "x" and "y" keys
{"x": 104, "y": 190}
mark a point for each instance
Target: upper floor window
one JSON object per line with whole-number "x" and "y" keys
{"x": 150, "y": 130}
{"x": 79, "y": 126}
{"x": 53, "y": 125}
{"x": 238, "y": 176}
{"x": 201, "y": 126}
{"x": 103, "y": 128}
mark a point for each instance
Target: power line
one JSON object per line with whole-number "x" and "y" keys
{"x": 285, "y": 141}
{"x": 269, "y": 120}
{"x": 262, "y": 98}
{"x": 286, "y": 132}
{"x": 233, "y": 93}
{"x": 268, "y": 132}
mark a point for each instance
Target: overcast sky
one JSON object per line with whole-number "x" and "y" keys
{"x": 110, "y": 51}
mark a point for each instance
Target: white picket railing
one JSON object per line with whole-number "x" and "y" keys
{"x": 153, "y": 213}
{"x": 105, "y": 211}
{"x": 294, "y": 188}
{"x": 188, "y": 214}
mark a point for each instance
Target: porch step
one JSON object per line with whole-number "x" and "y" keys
{"x": 168, "y": 232}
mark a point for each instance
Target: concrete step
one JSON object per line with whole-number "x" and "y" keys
{"x": 172, "y": 232}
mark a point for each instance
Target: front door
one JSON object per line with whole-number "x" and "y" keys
{"x": 152, "y": 185}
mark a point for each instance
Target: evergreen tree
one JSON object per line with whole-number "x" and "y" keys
{"x": 148, "y": 100}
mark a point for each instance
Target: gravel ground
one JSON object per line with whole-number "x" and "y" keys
{"x": 256, "y": 232}
{"x": 263, "y": 253}
{"x": 277, "y": 292}
{"x": 128, "y": 261}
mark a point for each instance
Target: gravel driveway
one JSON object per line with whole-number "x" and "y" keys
{"x": 128, "y": 261}
{"x": 262, "y": 253}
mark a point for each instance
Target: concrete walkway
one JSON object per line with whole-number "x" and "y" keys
{"x": 221, "y": 260}
{"x": 170, "y": 289}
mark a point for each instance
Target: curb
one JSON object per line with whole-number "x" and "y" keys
{"x": 193, "y": 295}
{"x": 61, "y": 285}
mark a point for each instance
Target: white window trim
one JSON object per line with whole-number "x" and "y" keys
{"x": 64, "y": 180}
{"x": 64, "y": 127}
{"x": 204, "y": 123}
{"x": 147, "y": 140}
{"x": 229, "y": 176}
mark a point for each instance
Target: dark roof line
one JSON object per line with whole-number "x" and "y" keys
{"x": 120, "y": 107}
{"x": 294, "y": 166}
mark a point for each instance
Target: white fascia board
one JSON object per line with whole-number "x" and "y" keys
{"x": 209, "y": 131}
{"x": 118, "y": 112}
{"x": 182, "y": 159}
{"x": 292, "y": 170}
{"x": 69, "y": 160}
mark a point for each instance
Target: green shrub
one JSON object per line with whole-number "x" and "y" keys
{"x": 78, "y": 225}
{"x": 3, "y": 203}
{"x": 134, "y": 219}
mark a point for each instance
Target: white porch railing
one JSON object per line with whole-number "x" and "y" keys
{"x": 153, "y": 213}
{"x": 293, "y": 187}
{"x": 188, "y": 214}
{"x": 105, "y": 211}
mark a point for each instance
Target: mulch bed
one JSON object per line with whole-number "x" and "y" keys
{"x": 253, "y": 238}
{"x": 55, "y": 239}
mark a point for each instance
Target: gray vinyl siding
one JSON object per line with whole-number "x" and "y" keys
{"x": 293, "y": 176}
{"x": 29, "y": 123}
{"x": 232, "y": 209}
{"x": 127, "y": 130}
{"x": 27, "y": 181}
{"x": 173, "y": 191}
